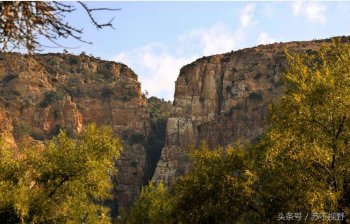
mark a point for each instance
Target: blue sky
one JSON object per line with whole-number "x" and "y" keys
{"x": 156, "y": 39}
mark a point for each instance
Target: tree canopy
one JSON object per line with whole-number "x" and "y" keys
{"x": 304, "y": 156}
{"x": 300, "y": 166}
{"x": 67, "y": 182}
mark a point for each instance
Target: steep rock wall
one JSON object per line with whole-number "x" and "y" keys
{"x": 221, "y": 99}
{"x": 71, "y": 92}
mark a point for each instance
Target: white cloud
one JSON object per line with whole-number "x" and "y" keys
{"x": 215, "y": 40}
{"x": 123, "y": 57}
{"x": 247, "y": 15}
{"x": 156, "y": 68}
{"x": 246, "y": 18}
{"x": 297, "y": 7}
{"x": 270, "y": 10}
{"x": 158, "y": 65}
{"x": 265, "y": 39}
{"x": 312, "y": 10}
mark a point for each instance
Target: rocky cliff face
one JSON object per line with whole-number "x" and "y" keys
{"x": 71, "y": 92}
{"x": 221, "y": 99}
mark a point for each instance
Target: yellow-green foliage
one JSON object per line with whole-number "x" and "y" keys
{"x": 153, "y": 206}
{"x": 219, "y": 189}
{"x": 304, "y": 157}
{"x": 67, "y": 182}
{"x": 300, "y": 165}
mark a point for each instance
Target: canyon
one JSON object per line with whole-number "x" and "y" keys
{"x": 219, "y": 99}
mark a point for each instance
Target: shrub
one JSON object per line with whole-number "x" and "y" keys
{"x": 51, "y": 69}
{"x": 125, "y": 98}
{"x": 56, "y": 130}
{"x": 137, "y": 138}
{"x": 258, "y": 76}
{"x": 50, "y": 97}
{"x": 132, "y": 93}
{"x": 77, "y": 92}
{"x": 37, "y": 135}
{"x": 106, "y": 73}
{"x": 255, "y": 95}
{"x": 74, "y": 60}
{"x": 201, "y": 99}
{"x": 23, "y": 129}
{"x": 16, "y": 92}
{"x": 54, "y": 61}
{"x": 107, "y": 92}
{"x": 64, "y": 67}
{"x": 126, "y": 134}
{"x": 57, "y": 113}
{"x": 9, "y": 78}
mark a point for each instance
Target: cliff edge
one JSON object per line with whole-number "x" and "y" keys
{"x": 223, "y": 98}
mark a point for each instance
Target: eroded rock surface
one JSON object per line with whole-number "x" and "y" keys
{"x": 71, "y": 92}
{"x": 221, "y": 99}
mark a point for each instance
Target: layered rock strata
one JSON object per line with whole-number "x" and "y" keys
{"x": 223, "y": 98}
{"x": 70, "y": 92}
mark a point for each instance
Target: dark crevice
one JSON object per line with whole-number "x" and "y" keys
{"x": 220, "y": 91}
{"x": 159, "y": 113}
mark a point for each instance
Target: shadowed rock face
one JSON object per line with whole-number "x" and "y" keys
{"x": 221, "y": 99}
{"x": 71, "y": 92}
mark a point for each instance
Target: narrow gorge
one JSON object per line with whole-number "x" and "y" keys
{"x": 218, "y": 99}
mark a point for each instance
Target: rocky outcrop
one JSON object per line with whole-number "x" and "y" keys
{"x": 6, "y": 128}
{"x": 221, "y": 99}
{"x": 71, "y": 92}
{"x": 131, "y": 176}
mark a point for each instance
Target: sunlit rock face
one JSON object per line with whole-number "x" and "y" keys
{"x": 70, "y": 92}
{"x": 221, "y": 99}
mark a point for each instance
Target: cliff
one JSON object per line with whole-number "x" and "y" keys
{"x": 71, "y": 92}
{"x": 219, "y": 99}
{"x": 223, "y": 98}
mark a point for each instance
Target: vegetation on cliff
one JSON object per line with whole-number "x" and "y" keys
{"x": 159, "y": 111}
{"x": 299, "y": 166}
{"x": 65, "y": 79}
{"x": 66, "y": 182}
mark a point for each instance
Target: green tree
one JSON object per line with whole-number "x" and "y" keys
{"x": 153, "y": 206}
{"x": 219, "y": 189}
{"x": 304, "y": 161}
{"x": 67, "y": 182}
{"x": 300, "y": 165}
